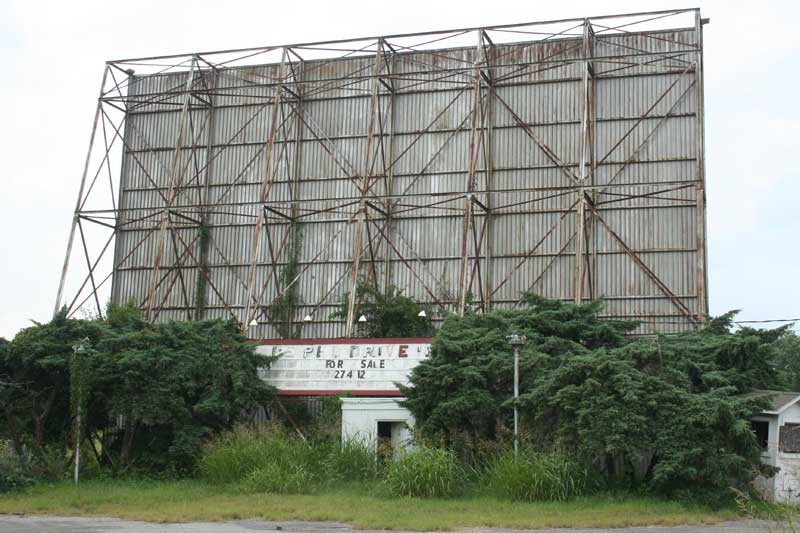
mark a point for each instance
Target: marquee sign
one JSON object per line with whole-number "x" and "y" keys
{"x": 366, "y": 367}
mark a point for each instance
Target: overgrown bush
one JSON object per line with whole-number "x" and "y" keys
{"x": 425, "y": 472}
{"x": 661, "y": 413}
{"x": 545, "y": 476}
{"x": 50, "y": 463}
{"x": 14, "y": 470}
{"x": 174, "y": 385}
{"x": 150, "y": 394}
{"x": 389, "y": 314}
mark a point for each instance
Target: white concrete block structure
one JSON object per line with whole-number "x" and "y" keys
{"x": 372, "y": 421}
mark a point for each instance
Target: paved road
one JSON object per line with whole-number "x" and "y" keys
{"x": 55, "y": 524}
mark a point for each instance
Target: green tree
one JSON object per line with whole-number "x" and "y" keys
{"x": 160, "y": 390}
{"x": 7, "y": 387}
{"x": 661, "y": 411}
{"x": 36, "y": 403}
{"x": 787, "y": 359}
{"x": 389, "y": 314}
{"x": 150, "y": 394}
{"x": 466, "y": 382}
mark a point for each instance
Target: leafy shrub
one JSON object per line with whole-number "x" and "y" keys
{"x": 550, "y": 476}
{"x": 425, "y": 472}
{"x": 13, "y": 470}
{"x": 389, "y": 313}
{"x": 49, "y": 463}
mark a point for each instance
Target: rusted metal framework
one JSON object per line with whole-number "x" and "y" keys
{"x": 462, "y": 166}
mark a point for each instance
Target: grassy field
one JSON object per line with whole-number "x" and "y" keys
{"x": 184, "y": 501}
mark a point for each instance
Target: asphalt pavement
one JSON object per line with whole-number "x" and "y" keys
{"x": 58, "y": 524}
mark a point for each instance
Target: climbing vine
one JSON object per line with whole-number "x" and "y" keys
{"x": 284, "y": 307}
{"x": 200, "y": 287}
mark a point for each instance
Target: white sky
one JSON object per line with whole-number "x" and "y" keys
{"x": 52, "y": 56}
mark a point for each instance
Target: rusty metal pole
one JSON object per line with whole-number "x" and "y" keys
{"x": 165, "y": 217}
{"x": 591, "y": 226}
{"x": 701, "y": 274}
{"x": 266, "y": 185}
{"x": 362, "y": 206}
{"x": 76, "y": 213}
{"x": 470, "y": 185}
{"x": 489, "y": 166}
{"x": 203, "y": 207}
{"x": 585, "y": 143}
{"x": 389, "y": 203}
{"x": 297, "y": 160}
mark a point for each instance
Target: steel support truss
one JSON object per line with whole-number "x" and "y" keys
{"x": 464, "y": 167}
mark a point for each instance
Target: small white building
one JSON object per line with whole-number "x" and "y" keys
{"x": 777, "y": 430}
{"x": 371, "y": 421}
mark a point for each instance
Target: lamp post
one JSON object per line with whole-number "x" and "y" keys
{"x": 79, "y": 349}
{"x": 516, "y": 341}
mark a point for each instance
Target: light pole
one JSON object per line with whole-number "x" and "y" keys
{"x": 516, "y": 341}
{"x": 79, "y": 349}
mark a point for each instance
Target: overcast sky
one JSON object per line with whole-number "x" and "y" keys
{"x": 52, "y": 56}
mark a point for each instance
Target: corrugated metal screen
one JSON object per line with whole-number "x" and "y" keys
{"x": 569, "y": 166}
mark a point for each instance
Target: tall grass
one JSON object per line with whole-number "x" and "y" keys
{"x": 279, "y": 462}
{"x": 275, "y": 461}
{"x": 425, "y": 472}
{"x": 281, "y": 478}
{"x": 349, "y": 461}
{"x": 545, "y": 476}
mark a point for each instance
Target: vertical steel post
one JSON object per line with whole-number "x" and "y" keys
{"x": 78, "y": 349}
{"x": 76, "y": 474}
{"x": 297, "y": 161}
{"x": 470, "y": 185}
{"x": 171, "y": 190}
{"x": 592, "y": 129}
{"x": 298, "y": 140}
{"x": 118, "y": 213}
{"x": 389, "y": 204}
{"x": 204, "y": 208}
{"x": 489, "y": 165}
{"x": 362, "y": 206}
{"x": 516, "y": 341}
{"x": 701, "y": 274}
{"x": 516, "y": 397}
{"x": 266, "y": 185}
{"x": 587, "y": 92}
{"x": 76, "y": 214}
